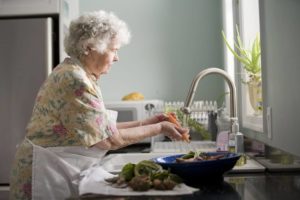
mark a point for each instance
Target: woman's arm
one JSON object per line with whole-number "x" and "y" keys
{"x": 128, "y": 136}
{"x": 151, "y": 120}
{"x": 131, "y": 124}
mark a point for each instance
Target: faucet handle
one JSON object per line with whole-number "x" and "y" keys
{"x": 186, "y": 110}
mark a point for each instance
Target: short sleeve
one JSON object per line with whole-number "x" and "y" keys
{"x": 84, "y": 113}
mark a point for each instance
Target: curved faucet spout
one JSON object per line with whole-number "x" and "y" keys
{"x": 233, "y": 101}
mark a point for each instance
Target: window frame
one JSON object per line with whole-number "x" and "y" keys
{"x": 241, "y": 9}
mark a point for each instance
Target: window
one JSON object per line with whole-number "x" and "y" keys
{"x": 244, "y": 14}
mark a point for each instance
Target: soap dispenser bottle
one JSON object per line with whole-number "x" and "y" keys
{"x": 239, "y": 139}
{"x": 239, "y": 144}
{"x": 235, "y": 139}
{"x": 232, "y": 139}
{"x": 231, "y": 142}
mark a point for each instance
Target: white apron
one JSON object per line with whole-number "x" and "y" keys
{"x": 56, "y": 170}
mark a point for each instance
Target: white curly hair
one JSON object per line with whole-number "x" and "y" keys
{"x": 95, "y": 30}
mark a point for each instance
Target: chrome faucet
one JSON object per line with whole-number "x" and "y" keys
{"x": 233, "y": 102}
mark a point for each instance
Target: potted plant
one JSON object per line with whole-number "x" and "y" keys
{"x": 250, "y": 59}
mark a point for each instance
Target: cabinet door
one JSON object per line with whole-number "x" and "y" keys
{"x": 25, "y": 62}
{"x": 280, "y": 30}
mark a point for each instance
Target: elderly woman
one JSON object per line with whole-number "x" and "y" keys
{"x": 70, "y": 128}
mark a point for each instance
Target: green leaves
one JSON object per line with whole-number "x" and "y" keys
{"x": 128, "y": 171}
{"x": 145, "y": 175}
{"x": 250, "y": 59}
{"x": 146, "y": 167}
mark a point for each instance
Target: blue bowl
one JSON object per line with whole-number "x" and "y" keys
{"x": 199, "y": 171}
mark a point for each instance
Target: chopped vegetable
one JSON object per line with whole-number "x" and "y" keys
{"x": 128, "y": 171}
{"x": 166, "y": 184}
{"x": 146, "y": 167}
{"x": 198, "y": 156}
{"x": 144, "y": 176}
{"x": 191, "y": 154}
{"x": 140, "y": 183}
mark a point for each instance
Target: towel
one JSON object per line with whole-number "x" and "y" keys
{"x": 92, "y": 181}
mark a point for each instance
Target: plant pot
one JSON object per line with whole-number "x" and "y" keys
{"x": 255, "y": 96}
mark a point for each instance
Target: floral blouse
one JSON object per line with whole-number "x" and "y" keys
{"x": 68, "y": 111}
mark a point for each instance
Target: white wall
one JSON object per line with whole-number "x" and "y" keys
{"x": 172, "y": 41}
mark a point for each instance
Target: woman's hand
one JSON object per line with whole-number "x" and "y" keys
{"x": 172, "y": 131}
{"x": 155, "y": 119}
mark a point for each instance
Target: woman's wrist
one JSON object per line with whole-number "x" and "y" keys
{"x": 141, "y": 123}
{"x": 160, "y": 125}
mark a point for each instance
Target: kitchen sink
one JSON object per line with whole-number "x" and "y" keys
{"x": 114, "y": 162}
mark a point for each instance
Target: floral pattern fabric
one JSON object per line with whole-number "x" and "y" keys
{"x": 68, "y": 111}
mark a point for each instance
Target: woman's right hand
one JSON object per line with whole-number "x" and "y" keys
{"x": 172, "y": 131}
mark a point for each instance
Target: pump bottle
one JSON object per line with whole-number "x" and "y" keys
{"x": 236, "y": 139}
{"x": 239, "y": 144}
{"x": 239, "y": 139}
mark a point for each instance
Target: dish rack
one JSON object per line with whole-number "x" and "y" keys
{"x": 182, "y": 147}
{"x": 199, "y": 109}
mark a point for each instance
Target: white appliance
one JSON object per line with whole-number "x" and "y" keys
{"x": 30, "y": 46}
{"x": 136, "y": 110}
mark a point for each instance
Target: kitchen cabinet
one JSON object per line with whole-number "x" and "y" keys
{"x": 30, "y": 46}
{"x": 280, "y": 42}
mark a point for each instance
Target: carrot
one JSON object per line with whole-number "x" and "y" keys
{"x": 186, "y": 137}
{"x": 173, "y": 114}
{"x": 173, "y": 119}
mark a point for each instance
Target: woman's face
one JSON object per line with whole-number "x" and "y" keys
{"x": 100, "y": 63}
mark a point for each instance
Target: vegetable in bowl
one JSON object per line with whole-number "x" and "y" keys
{"x": 191, "y": 169}
{"x": 198, "y": 156}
